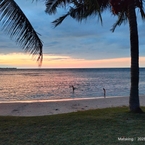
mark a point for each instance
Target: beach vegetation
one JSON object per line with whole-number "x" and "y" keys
{"x": 111, "y": 126}
{"x": 125, "y": 10}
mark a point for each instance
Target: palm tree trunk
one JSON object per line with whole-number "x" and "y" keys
{"x": 134, "y": 104}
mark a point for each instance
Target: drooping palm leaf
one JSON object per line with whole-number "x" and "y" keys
{"x": 51, "y": 5}
{"x": 59, "y": 20}
{"x": 85, "y": 9}
{"x": 78, "y": 9}
{"x": 104, "y": 4}
{"x": 17, "y": 26}
{"x": 141, "y": 7}
{"x": 81, "y": 9}
{"x": 122, "y": 15}
{"x": 122, "y": 18}
{"x": 79, "y": 13}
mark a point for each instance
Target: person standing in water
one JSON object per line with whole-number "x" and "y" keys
{"x": 73, "y": 88}
{"x": 104, "y": 92}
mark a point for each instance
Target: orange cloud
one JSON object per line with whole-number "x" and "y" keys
{"x": 55, "y": 61}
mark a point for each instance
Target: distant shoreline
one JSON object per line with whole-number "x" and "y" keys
{"x": 8, "y": 68}
{"x": 119, "y": 68}
{"x": 14, "y": 68}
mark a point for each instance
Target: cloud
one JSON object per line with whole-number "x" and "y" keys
{"x": 88, "y": 40}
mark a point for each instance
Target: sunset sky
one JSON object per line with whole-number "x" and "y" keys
{"x": 72, "y": 44}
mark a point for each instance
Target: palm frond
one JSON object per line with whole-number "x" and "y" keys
{"x": 51, "y": 5}
{"x": 104, "y": 4}
{"x": 122, "y": 17}
{"x": 83, "y": 10}
{"x": 142, "y": 14}
{"x": 78, "y": 9}
{"x": 141, "y": 7}
{"x": 17, "y": 26}
{"x": 59, "y": 20}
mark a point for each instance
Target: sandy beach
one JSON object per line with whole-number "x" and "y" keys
{"x": 50, "y": 107}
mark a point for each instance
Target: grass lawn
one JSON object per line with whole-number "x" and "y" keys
{"x": 93, "y": 127}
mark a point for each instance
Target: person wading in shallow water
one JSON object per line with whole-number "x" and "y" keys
{"x": 73, "y": 88}
{"x": 104, "y": 92}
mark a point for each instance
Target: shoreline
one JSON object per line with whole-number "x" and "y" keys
{"x": 43, "y": 107}
{"x": 58, "y": 100}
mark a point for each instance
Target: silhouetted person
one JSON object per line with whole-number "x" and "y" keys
{"x": 104, "y": 92}
{"x": 73, "y": 88}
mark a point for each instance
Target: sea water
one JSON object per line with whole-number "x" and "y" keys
{"x": 50, "y": 84}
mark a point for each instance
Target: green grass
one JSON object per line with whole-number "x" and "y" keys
{"x": 93, "y": 127}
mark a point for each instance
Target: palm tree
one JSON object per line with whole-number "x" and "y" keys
{"x": 17, "y": 26}
{"x": 125, "y": 10}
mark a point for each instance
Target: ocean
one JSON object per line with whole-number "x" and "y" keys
{"x": 53, "y": 84}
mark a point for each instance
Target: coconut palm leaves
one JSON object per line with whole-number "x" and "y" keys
{"x": 78, "y": 9}
{"x": 82, "y": 9}
{"x": 120, "y": 8}
{"x": 17, "y": 26}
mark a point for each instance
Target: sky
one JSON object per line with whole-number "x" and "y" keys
{"x": 72, "y": 44}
